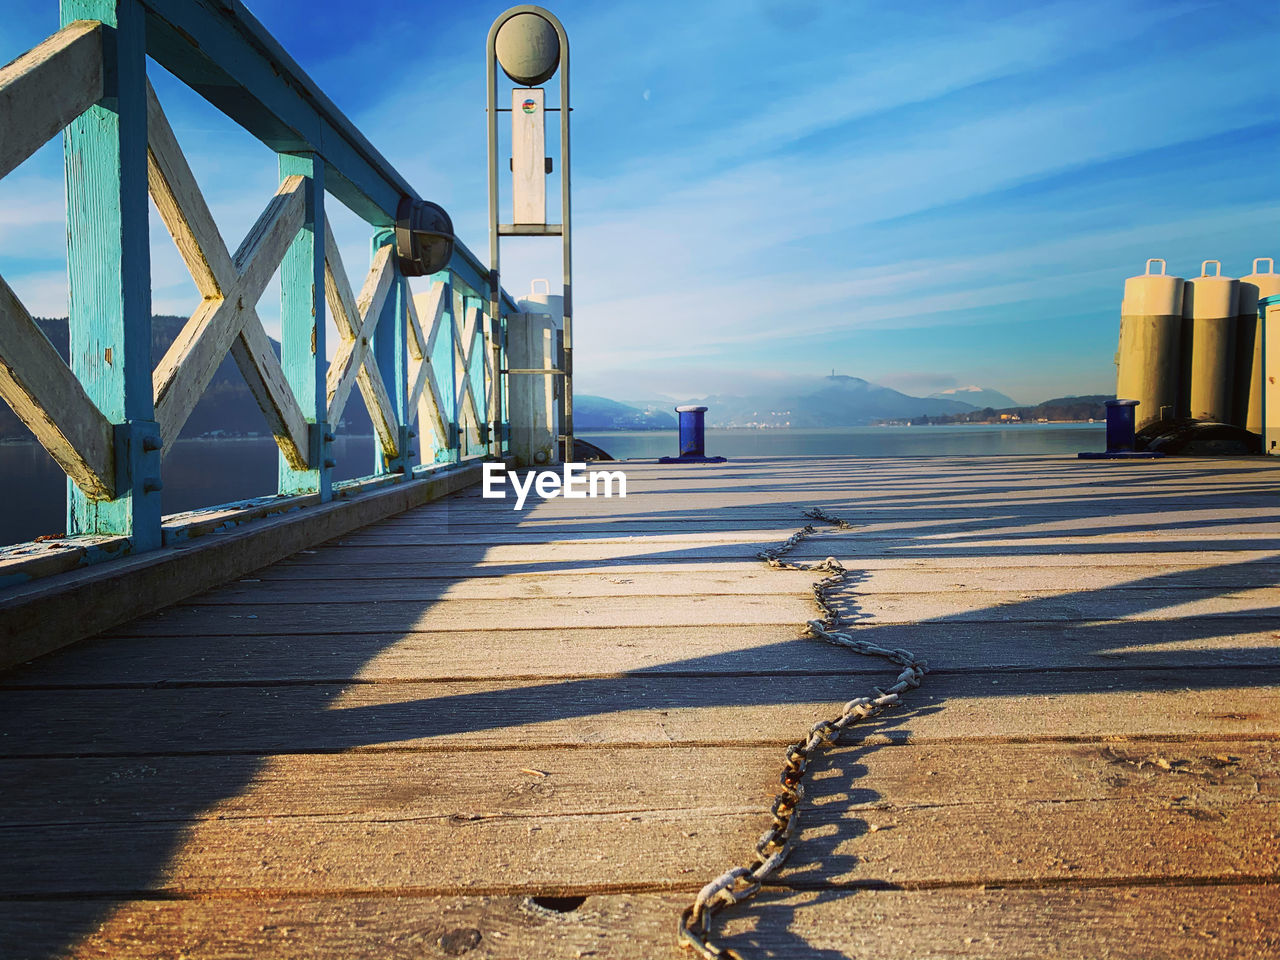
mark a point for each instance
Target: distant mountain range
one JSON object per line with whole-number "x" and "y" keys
{"x": 599, "y": 413}
{"x": 835, "y": 401}
{"x": 979, "y": 397}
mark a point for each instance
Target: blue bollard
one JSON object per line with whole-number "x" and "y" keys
{"x": 1120, "y": 425}
{"x": 693, "y": 437}
{"x": 1121, "y": 436}
{"x": 693, "y": 431}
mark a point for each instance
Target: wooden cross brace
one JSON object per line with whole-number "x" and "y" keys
{"x": 227, "y": 318}
{"x": 426, "y": 401}
{"x": 356, "y": 319}
{"x": 464, "y": 341}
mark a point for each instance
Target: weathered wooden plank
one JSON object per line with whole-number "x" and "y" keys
{"x": 313, "y": 566}
{"x": 24, "y": 562}
{"x": 265, "y": 378}
{"x": 635, "y": 515}
{"x": 924, "y": 525}
{"x": 1152, "y": 603}
{"x": 464, "y": 519}
{"x": 1135, "y": 921}
{"x": 490, "y": 785}
{"x": 278, "y": 616}
{"x": 851, "y": 551}
{"x": 661, "y": 709}
{"x": 534, "y": 612}
{"x": 547, "y": 516}
{"x": 47, "y": 397}
{"x": 337, "y": 288}
{"x": 48, "y": 87}
{"x": 750, "y": 578}
{"x": 591, "y": 651}
{"x": 512, "y": 854}
{"x": 776, "y": 496}
{"x": 182, "y": 207}
{"x": 1025, "y": 812}
{"x": 743, "y": 579}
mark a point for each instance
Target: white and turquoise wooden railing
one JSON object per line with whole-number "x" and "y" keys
{"x": 107, "y": 417}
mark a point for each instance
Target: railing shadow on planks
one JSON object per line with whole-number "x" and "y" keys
{"x": 106, "y": 417}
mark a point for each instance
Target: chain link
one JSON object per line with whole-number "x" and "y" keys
{"x": 694, "y": 931}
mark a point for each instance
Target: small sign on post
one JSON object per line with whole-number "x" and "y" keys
{"x": 528, "y": 156}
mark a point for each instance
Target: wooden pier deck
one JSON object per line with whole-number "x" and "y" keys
{"x": 386, "y": 746}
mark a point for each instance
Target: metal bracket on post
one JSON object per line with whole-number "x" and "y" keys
{"x": 319, "y": 442}
{"x": 404, "y": 462}
{"x": 138, "y": 449}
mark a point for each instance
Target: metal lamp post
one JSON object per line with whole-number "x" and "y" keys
{"x": 530, "y": 44}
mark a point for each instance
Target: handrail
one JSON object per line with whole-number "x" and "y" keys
{"x": 106, "y": 416}
{"x": 292, "y": 114}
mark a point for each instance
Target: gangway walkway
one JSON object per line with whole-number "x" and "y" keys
{"x": 468, "y": 730}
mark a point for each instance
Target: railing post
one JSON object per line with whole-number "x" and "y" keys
{"x": 302, "y": 329}
{"x": 476, "y": 353}
{"x": 446, "y": 370}
{"x": 109, "y": 269}
{"x": 391, "y": 355}
{"x": 494, "y": 343}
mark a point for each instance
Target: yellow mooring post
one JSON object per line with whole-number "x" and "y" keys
{"x": 1209, "y": 306}
{"x": 1148, "y": 360}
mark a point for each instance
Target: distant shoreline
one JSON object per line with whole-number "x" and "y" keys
{"x": 244, "y": 438}
{"x": 860, "y": 426}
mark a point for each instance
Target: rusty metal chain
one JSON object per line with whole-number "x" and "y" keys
{"x": 694, "y": 930}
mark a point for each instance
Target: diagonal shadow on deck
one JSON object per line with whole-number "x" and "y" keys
{"x": 83, "y": 846}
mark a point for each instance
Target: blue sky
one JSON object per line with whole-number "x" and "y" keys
{"x": 923, "y": 194}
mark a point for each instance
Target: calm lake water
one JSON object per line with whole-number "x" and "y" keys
{"x": 201, "y": 473}
{"x": 957, "y": 440}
